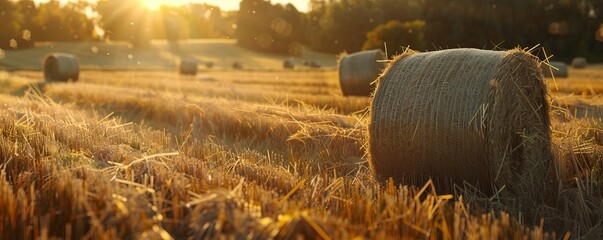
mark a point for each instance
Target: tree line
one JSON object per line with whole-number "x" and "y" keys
{"x": 563, "y": 27}
{"x": 566, "y": 28}
{"x": 23, "y": 22}
{"x": 128, "y": 20}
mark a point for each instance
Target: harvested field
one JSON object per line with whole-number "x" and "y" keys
{"x": 260, "y": 154}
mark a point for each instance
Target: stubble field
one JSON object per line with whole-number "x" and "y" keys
{"x": 253, "y": 154}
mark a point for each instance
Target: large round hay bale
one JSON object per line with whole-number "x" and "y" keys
{"x": 463, "y": 116}
{"x": 579, "y": 62}
{"x": 188, "y": 66}
{"x": 61, "y": 67}
{"x": 559, "y": 72}
{"x": 358, "y": 70}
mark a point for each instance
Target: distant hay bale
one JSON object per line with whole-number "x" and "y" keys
{"x": 358, "y": 70}
{"x": 188, "y": 66}
{"x": 237, "y": 65}
{"x": 288, "y": 64}
{"x": 463, "y": 115}
{"x": 315, "y": 64}
{"x": 560, "y": 73}
{"x": 209, "y": 64}
{"x": 312, "y": 64}
{"x": 579, "y": 62}
{"x": 61, "y": 67}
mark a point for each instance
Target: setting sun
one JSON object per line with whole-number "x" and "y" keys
{"x": 152, "y": 4}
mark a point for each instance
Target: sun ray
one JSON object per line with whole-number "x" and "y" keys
{"x": 153, "y": 4}
{"x": 156, "y": 4}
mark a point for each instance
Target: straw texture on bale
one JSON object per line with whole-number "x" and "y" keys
{"x": 463, "y": 115}
{"x": 358, "y": 70}
{"x": 188, "y": 66}
{"x": 579, "y": 62}
{"x": 61, "y": 67}
{"x": 560, "y": 72}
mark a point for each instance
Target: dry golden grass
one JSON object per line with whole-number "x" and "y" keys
{"x": 585, "y": 81}
{"x": 319, "y": 89}
{"x": 245, "y": 155}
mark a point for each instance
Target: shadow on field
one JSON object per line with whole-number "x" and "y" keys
{"x": 37, "y": 88}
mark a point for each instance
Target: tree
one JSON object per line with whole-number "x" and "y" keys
{"x": 28, "y": 24}
{"x": 206, "y": 21}
{"x": 126, "y": 20}
{"x": 342, "y": 25}
{"x": 403, "y": 11}
{"x": 563, "y": 27}
{"x": 10, "y": 21}
{"x": 397, "y": 35}
{"x": 21, "y": 23}
{"x": 253, "y": 24}
{"x": 337, "y": 26}
{"x": 577, "y": 21}
{"x": 62, "y": 23}
{"x": 266, "y": 27}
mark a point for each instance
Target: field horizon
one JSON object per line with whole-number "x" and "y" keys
{"x": 160, "y": 56}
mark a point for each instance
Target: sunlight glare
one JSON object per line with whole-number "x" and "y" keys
{"x": 153, "y": 4}
{"x": 156, "y": 4}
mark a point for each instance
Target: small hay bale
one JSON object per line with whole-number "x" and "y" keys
{"x": 209, "y": 64}
{"x": 61, "y": 67}
{"x": 288, "y": 64}
{"x": 463, "y": 115}
{"x": 314, "y": 64}
{"x": 561, "y": 73}
{"x": 579, "y": 62}
{"x": 237, "y": 65}
{"x": 188, "y": 66}
{"x": 358, "y": 70}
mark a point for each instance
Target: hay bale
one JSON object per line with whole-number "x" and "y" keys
{"x": 579, "y": 62}
{"x": 288, "y": 64}
{"x": 561, "y": 73}
{"x": 314, "y": 64}
{"x": 209, "y": 64}
{"x": 61, "y": 67}
{"x": 237, "y": 65}
{"x": 357, "y": 71}
{"x": 463, "y": 115}
{"x": 188, "y": 66}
